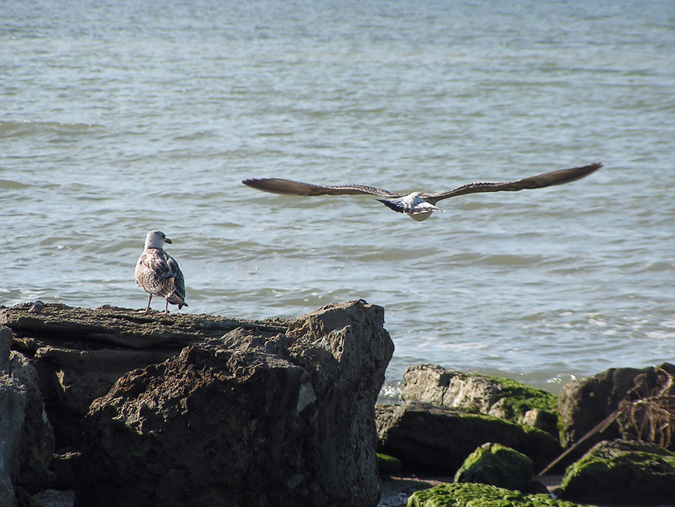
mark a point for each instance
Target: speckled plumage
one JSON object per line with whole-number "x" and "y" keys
{"x": 158, "y": 274}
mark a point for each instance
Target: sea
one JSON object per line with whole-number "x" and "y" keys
{"x": 122, "y": 116}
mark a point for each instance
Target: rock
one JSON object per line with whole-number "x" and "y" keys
{"x": 5, "y": 347}
{"x": 72, "y": 379}
{"x": 586, "y": 403}
{"x": 121, "y": 326}
{"x": 65, "y": 465}
{"x": 25, "y": 499}
{"x": 497, "y": 465}
{"x": 55, "y": 498}
{"x": 250, "y": 419}
{"x": 12, "y": 403}
{"x": 37, "y": 438}
{"x": 26, "y": 437}
{"x": 436, "y": 439}
{"x": 396, "y": 489}
{"x": 542, "y": 419}
{"x": 477, "y": 495}
{"x": 621, "y": 472}
{"x": 499, "y": 397}
{"x": 388, "y": 464}
{"x": 80, "y": 353}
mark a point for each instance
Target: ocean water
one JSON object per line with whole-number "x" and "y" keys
{"x": 120, "y": 117}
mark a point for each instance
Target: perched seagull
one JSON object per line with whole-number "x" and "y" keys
{"x": 158, "y": 274}
{"x": 420, "y": 205}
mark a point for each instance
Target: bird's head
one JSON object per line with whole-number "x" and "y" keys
{"x": 156, "y": 239}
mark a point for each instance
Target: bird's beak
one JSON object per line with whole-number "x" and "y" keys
{"x": 167, "y": 240}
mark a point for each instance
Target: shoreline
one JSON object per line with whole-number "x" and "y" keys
{"x": 79, "y": 342}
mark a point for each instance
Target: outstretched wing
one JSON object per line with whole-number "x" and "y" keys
{"x": 537, "y": 181}
{"x": 282, "y": 186}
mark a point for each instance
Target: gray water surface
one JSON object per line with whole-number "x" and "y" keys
{"x": 120, "y": 117}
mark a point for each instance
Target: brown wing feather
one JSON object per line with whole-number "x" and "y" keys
{"x": 282, "y": 186}
{"x": 538, "y": 181}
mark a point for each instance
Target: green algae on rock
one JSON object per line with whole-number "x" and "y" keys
{"x": 388, "y": 464}
{"x": 621, "y": 472}
{"x": 431, "y": 438}
{"x": 480, "y": 495}
{"x": 497, "y": 465}
{"x": 519, "y": 398}
{"x": 499, "y": 397}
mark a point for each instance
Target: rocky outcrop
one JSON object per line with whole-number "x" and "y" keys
{"x": 498, "y": 397}
{"x": 246, "y": 420}
{"x": 586, "y": 403}
{"x": 26, "y": 437}
{"x": 620, "y": 473}
{"x": 438, "y": 439}
{"x": 184, "y": 409}
{"x": 80, "y": 353}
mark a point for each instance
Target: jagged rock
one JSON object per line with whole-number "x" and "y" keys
{"x": 80, "y": 353}
{"x": 477, "y": 495}
{"x": 585, "y": 403}
{"x": 12, "y": 402}
{"x": 72, "y": 378}
{"x": 252, "y": 419}
{"x": 620, "y": 473}
{"x": 497, "y": 465}
{"x": 26, "y": 437}
{"x": 37, "y": 439}
{"x": 433, "y": 438}
{"x": 499, "y": 397}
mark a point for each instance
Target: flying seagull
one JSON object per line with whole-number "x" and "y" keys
{"x": 420, "y": 205}
{"x": 158, "y": 274}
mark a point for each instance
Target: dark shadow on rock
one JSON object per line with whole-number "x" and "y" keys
{"x": 435, "y": 439}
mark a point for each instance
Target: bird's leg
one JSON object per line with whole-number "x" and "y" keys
{"x": 166, "y": 307}
{"x": 147, "y": 308}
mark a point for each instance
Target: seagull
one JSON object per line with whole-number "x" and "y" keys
{"x": 420, "y": 205}
{"x": 158, "y": 274}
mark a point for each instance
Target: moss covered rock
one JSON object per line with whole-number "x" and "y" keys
{"x": 517, "y": 399}
{"x": 480, "y": 495}
{"x": 621, "y": 472}
{"x": 388, "y": 464}
{"x": 499, "y": 397}
{"x": 497, "y": 465}
{"x": 437, "y": 439}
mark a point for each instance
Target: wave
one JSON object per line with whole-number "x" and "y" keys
{"x": 27, "y": 128}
